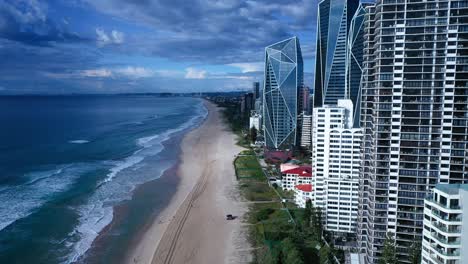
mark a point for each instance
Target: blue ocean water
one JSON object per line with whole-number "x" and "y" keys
{"x": 66, "y": 161}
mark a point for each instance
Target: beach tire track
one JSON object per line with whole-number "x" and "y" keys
{"x": 198, "y": 189}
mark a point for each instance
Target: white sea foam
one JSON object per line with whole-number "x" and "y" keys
{"x": 97, "y": 213}
{"x": 78, "y": 141}
{"x": 20, "y": 201}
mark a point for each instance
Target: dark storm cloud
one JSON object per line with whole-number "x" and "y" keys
{"x": 210, "y": 30}
{"x": 27, "y": 22}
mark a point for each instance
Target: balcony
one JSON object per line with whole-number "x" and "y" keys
{"x": 452, "y": 207}
{"x": 440, "y": 251}
{"x": 444, "y": 228}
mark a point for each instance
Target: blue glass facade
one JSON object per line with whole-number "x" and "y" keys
{"x": 333, "y": 26}
{"x": 284, "y": 75}
{"x": 354, "y": 60}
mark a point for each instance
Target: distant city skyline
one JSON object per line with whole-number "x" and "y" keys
{"x": 117, "y": 46}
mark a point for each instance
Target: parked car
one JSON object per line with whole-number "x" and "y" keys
{"x": 230, "y": 217}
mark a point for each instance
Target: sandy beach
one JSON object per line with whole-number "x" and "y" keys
{"x": 193, "y": 228}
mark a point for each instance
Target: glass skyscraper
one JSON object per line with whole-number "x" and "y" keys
{"x": 333, "y": 26}
{"x": 354, "y": 59}
{"x": 284, "y": 76}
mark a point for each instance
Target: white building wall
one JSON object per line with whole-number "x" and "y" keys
{"x": 288, "y": 181}
{"x": 445, "y": 233}
{"x": 306, "y": 132}
{"x": 335, "y": 164}
{"x": 255, "y": 121}
{"x": 301, "y": 197}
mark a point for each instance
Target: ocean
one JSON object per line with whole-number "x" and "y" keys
{"x": 68, "y": 162}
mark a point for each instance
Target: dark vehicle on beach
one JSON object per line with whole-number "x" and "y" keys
{"x": 230, "y": 217}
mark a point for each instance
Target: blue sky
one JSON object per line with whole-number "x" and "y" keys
{"x": 115, "y": 46}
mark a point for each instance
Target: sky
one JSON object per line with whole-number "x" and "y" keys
{"x": 138, "y": 46}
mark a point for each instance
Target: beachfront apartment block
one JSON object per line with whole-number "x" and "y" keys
{"x": 336, "y": 159}
{"x": 302, "y": 193}
{"x": 414, "y": 110}
{"x": 292, "y": 177}
{"x": 445, "y": 232}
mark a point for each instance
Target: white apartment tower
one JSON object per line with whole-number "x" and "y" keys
{"x": 414, "y": 115}
{"x": 445, "y": 233}
{"x": 306, "y": 131}
{"x": 335, "y": 163}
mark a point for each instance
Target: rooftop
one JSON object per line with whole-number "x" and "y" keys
{"x": 304, "y": 187}
{"x": 451, "y": 188}
{"x": 302, "y": 171}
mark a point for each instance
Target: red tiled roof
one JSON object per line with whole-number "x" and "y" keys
{"x": 304, "y": 187}
{"x": 302, "y": 171}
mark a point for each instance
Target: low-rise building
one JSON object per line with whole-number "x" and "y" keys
{"x": 296, "y": 176}
{"x": 445, "y": 232}
{"x": 302, "y": 193}
{"x": 288, "y": 166}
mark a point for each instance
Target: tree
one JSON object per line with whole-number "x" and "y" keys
{"x": 389, "y": 251}
{"x": 415, "y": 256}
{"x": 331, "y": 254}
{"x": 253, "y": 134}
{"x": 307, "y": 216}
{"x": 290, "y": 252}
{"x": 318, "y": 223}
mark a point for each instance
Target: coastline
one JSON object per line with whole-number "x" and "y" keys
{"x": 193, "y": 222}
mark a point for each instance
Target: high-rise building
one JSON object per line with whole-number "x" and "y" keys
{"x": 305, "y": 95}
{"x": 247, "y": 103}
{"x": 256, "y": 90}
{"x": 336, "y": 161}
{"x": 284, "y": 77}
{"x": 354, "y": 59}
{"x": 413, "y": 114}
{"x": 334, "y": 19}
{"x": 445, "y": 233}
{"x": 306, "y": 130}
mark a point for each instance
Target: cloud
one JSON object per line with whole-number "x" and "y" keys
{"x": 27, "y": 22}
{"x": 129, "y": 72}
{"x": 210, "y": 31}
{"x": 249, "y": 67}
{"x": 136, "y": 72}
{"x": 115, "y": 37}
{"x": 192, "y": 73}
{"x": 96, "y": 73}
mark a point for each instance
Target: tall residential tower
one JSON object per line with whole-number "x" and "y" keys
{"x": 336, "y": 161}
{"x": 414, "y": 115}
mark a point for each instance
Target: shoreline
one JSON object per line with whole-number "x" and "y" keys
{"x": 133, "y": 218}
{"x": 206, "y": 183}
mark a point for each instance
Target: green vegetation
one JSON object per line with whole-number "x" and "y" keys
{"x": 276, "y": 237}
{"x": 389, "y": 251}
{"x": 248, "y": 167}
{"x": 415, "y": 256}
{"x": 237, "y": 121}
